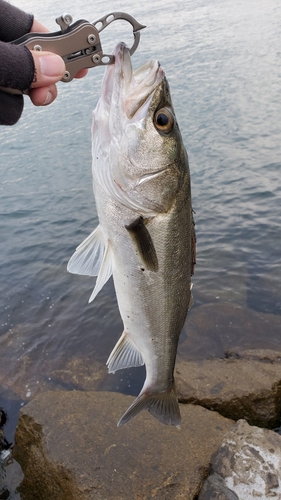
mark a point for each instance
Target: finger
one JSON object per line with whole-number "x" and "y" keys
{"x": 43, "y": 96}
{"x": 81, "y": 73}
{"x": 38, "y": 27}
{"x": 49, "y": 68}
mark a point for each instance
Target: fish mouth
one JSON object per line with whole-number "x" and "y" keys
{"x": 131, "y": 91}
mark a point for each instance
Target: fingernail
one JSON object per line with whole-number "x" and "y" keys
{"x": 48, "y": 99}
{"x": 52, "y": 65}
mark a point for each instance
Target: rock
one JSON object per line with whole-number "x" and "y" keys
{"x": 25, "y": 375}
{"x": 77, "y": 373}
{"x": 10, "y": 471}
{"x": 237, "y": 388}
{"x": 70, "y": 448}
{"x": 246, "y": 466}
{"x": 10, "y": 477}
{"x": 256, "y": 354}
{"x": 212, "y": 329}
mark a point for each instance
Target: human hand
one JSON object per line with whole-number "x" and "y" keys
{"x": 49, "y": 69}
{"x": 21, "y": 69}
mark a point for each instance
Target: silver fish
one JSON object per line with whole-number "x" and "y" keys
{"x": 146, "y": 236}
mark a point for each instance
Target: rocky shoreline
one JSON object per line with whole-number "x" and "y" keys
{"x": 246, "y": 384}
{"x": 69, "y": 447}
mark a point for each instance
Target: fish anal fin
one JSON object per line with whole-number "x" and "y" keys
{"x": 143, "y": 241}
{"x": 124, "y": 355}
{"x": 162, "y": 405}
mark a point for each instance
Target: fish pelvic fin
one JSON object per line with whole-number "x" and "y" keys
{"x": 124, "y": 355}
{"x": 162, "y": 405}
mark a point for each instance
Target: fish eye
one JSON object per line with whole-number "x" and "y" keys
{"x": 163, "y": 120}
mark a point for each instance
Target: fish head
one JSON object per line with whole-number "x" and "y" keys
{"x": 138, "y": 152}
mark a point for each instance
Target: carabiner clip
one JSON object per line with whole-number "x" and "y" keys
{"x": 105, "y": 21}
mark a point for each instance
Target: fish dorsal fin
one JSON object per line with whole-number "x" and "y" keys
{"x": 142, "y": 239}
{"x": 124, "y": 355}
{"x": 88, "y": 257}
{"x": 92, "y": 258}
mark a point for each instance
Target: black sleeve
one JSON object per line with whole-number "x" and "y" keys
{"x": 11, "y": 106}
{"x": 14, "y": 23}
{"x": 16, "y": 62}
{"x": 16, "y": 66}
{"x": 17, "y": 72}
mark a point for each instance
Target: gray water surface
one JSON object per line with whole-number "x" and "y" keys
{"x": 223, "y": 63}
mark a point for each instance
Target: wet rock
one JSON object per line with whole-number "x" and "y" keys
{"x": 240, "y": 387}
{"x": 77, "y": 373}
{"x": 247, "y": 465}
{"x": 70, "y": 448}
{"x": 266, "y": 355}
{"x": 10, "y": 477}
{"x": 26, "y": 374}
{"x": 10, "y": 471}
{"x": 213, "y": 329}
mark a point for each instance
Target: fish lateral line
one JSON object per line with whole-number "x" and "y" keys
{"x": 143, "y": 241}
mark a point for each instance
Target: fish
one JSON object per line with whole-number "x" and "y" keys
{"x": 146, "y": 237}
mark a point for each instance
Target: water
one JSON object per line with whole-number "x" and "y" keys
{"x": 222, "y": 60}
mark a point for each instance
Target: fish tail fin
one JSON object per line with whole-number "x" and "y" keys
{"x": 162, "y": 405}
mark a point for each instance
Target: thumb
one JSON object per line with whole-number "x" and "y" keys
{"x": 49, "y": 68}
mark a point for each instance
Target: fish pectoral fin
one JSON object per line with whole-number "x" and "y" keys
{"x": 162, "y": 405}
{"x": 92, "y": 258}
{"x": 88, "y": 257}
{"x": 104, "y": 273}
{"x": 143, "y": 241}
{"x": 124, "y": 355}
